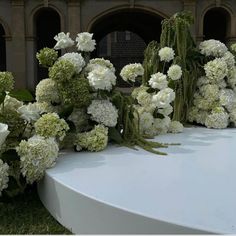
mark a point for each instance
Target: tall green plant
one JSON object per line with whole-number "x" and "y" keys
{"x": 176, "y": 34}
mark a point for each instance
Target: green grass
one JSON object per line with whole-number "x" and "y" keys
{"x": 25, "y": 214}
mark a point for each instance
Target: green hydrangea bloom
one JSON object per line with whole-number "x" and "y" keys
{"x": 6, "y": 81}
{"x": 47, "y": 57}
{"x": 50, "y": 125}
{"x": 94, "y": 140}
{"x": 62, "y": 70}
{"x": 75, "y": 92}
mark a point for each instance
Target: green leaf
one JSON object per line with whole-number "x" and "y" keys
{"x": 2, "y": 97}
{"x": 65, "y": 113}
{"x": 10, "y": 155}
{"x": 22, "y": 95}
{"x": 115, "y": 135}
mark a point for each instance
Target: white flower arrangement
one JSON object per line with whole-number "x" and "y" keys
{"x": 76, "y": 59}
{"x": 166, "y": 54}
{"x": 36, "y": 155}
{"x": 163, "y": 98}
{"x": 101, "y": 78}
{"x": 158, "y": 81}
{"x": 213, "y": 48}
{"x": 176, "y": 127}
{"x": 63, "y": 41}
{"x": 85, "y": 43}
{"x": 174, "y": 72}
{"x": 3, "y": 133}
{"x": 103, "y": 112}
{"x": 30, "y": 112}
{"x": 93, "y": 63}
{"x": 131, "y": 72}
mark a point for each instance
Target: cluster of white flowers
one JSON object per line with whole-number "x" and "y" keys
{"x": 163, "y": 98}
{"x": 36, "y": 155}
{"x": 76, "y": 59}
{"x": 3, "y": 176}
{"x": 216, "y": 70}
{"x": 63, "y": 41}
{"x": 166, "y": 54}
{"x": 175, "y": 72}
{"x": 103, "y": 112}
{"x": 176, "y": 127}
{"x": 85, "y": 42}
{"x": 215, "y": 98}
{"x": 93, "y": 63}
{"x": 212, "y": 48}
{"x": 158, "y": 81}
{"x": 131, "y": 72}
{"x": 30, "y": 112}
{"x": 3, "y": 133}
{"x": 102, "y": 78}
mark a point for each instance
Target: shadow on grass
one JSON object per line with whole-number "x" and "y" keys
{"x": 25, "y": 214}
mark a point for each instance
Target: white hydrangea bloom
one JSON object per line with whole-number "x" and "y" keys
{"x": 131, "y": 72}
{"x": 163, "y": 98}
{"x": 3, "y": 133}
{"x": 197, "y": 115}
{"x": 166, "y": 111}
{"x": 93, "y": 63}
{"x": 176, "y": 127}
{"x": 202, "y": 103}
{"x": 36, "y": 155}
{"x": 146, "y": 121}
{"x": 46, "y": 91}
{"x": 202, "y": 81}
{"x": 162, "y": 125}
{"x": 30, "y": 112}
{"x": 104, "y": 112}
{"x": 231, "y": 78}
{"x": 63, "y": 41}
{"x": 3, "y": 176}
{"x": 174, "y": 72}
{"x": 229, "y": 59}
{"x": 210, "y": 91}
{"x": 76, "y": 59}
{"x": 166, "y": 54}
{"x": 85, "y": 42}
{"x": 227, "y": 98}
{"x": 216, "y": 70}
{"x": 213, "y": 48}
{"x": 233, "y": 47}
{"x": 218, "y": 119}
{"x": 158, "y": 81}
{"x": 144, "y": 98}
{"x": 101, "y": 78}
{"x": 12, "y": 103}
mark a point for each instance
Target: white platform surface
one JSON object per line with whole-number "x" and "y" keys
{"x": 120, "y": 190}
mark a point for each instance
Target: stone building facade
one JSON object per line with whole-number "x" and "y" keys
{"x": 28, "y": 25}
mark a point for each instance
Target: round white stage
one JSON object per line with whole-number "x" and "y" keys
{"x": 123, "y": 191}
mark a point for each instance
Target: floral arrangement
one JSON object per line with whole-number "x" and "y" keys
{"x": 214, "y": 103}
{"x": 78, "y": 107}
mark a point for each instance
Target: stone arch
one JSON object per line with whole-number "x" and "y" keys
{"x": 217, "y": 22}
{"x": 128, "y": 31}
{"x": 6, "y": 28}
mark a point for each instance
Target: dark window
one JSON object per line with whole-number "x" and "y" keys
{"x": 216, "y": 24}
{"x": 48, "y": 25}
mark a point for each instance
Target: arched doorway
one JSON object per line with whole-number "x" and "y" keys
{"x": 123, "y": 35}
{"x": 47, "y": 25}
{"x": 2, "y": 49}
{"x": 217, "y": 24}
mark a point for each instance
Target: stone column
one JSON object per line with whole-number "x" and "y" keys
{"x": 18, "y": 63}
{"x": 74, "y": 19}
{"x": 190, "y": 5}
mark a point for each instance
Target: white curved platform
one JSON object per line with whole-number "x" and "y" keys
{"x": 120, "y": 190}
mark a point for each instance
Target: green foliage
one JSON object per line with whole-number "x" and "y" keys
{"x": 47, "y": 57}
{"x": 22, "y": 95}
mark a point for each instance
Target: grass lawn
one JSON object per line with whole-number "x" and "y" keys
{"x": 25, "y": 214}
